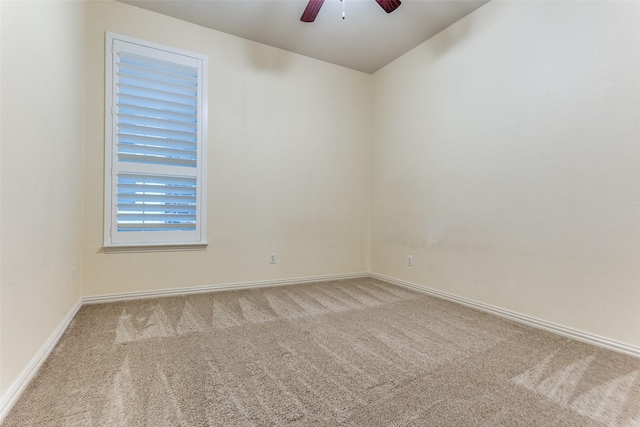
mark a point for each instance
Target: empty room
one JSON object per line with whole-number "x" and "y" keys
{"x": 340, "y": 212}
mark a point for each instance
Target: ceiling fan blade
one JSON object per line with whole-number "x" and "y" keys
{"x": 310, "y": 13}
{"x": 389, "y": 5}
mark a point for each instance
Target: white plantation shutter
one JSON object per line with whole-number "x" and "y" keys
{"x": 155, "y": 145}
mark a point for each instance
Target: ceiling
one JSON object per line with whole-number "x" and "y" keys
{"x": 366, "y": 40}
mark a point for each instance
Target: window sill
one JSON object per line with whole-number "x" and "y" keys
{"x": 155, "y": 247}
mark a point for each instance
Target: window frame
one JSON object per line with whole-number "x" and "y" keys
{"x": 147, "y": 241}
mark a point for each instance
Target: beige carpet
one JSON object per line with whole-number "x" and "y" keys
{"x": 358, "y": 353}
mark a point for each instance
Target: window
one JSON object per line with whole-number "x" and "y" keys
{"x": 155, "y": 146}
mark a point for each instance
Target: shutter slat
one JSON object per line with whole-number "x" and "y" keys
{"x": 157, "y": 142}
{"x": 151, "y": 131}
{"x": 161, "y": 95}
{"x": 156, "y": 160}
{"x": 170, "y": 189}
{"x": 137, "y": 70}
{"x": 143, "y": 150}
{"x": 157, "y": 64}
{"x": 157, "y": 113}
{"x": 150, "y": 83}
{"x": 137, "y": 178}
{"x": 155, "y": 227}
{"x": 156, "y": 218}
{"x": 142, "y": 101}
{"x": 156, "y": 198}
{"x": 131, "y": 119}
{"x": 137, "y": 208}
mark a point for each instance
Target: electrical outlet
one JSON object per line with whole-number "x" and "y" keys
{"x": 272, "y": 258}
{"x": 410, "y": 260}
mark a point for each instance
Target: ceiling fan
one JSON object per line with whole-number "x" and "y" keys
{"x": 313, "y": 7}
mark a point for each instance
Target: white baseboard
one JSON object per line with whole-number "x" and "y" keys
{"x": 13, "y": 393}
{"x": 520, "y": 318}
{"x": 126, "y": 296}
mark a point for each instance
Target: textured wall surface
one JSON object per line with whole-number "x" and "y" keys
{"x": 42, "y": 113}
{"x": 503, "y": 154}
{"x": 506, "y": 161}
{"x": 288, "y": 162}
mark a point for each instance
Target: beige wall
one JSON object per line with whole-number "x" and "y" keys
{"x": 505, "y": 160}
{"x": 288, "y": 162}
{"x": 41, "y": 174}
